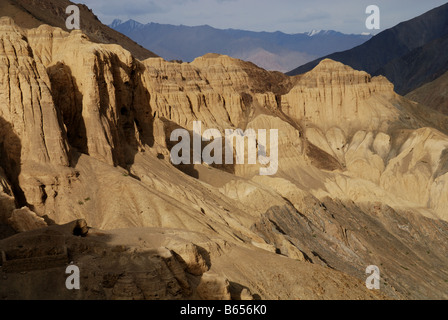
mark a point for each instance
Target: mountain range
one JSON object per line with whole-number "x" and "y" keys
{"x": 269, "y": 50}
{"x": 409, "y": 55}
{"x": 87, "y": 181}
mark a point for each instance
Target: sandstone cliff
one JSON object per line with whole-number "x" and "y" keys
{"x": 84, "y": 134}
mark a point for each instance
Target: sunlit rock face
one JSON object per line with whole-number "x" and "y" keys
{"x": 85, "y": 133}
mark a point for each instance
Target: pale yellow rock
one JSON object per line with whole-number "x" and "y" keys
{"x": 382, "y": 145}
{"x": 26, "y": 99}
{"x": 341, "y": 121}
{"x": 410, "y": 175}
{"x": 361, "y": 160}
{"x": 252, "y": 195}
{"x": 85, "y": 128}
{"x": 190, "y": 254}
{"x": 213, "y": 287}
{"x": 336, "y": 95}
{"x": 24, "y": 219}
{"x": 291, "y": 251}
{"x": 246, "y": 295}
{"x": 265, "y": 246}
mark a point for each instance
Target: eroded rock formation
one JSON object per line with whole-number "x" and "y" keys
{"x": 85, "y": 134}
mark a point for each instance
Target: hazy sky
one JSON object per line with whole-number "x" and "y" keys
{"x": 290, "y": 16}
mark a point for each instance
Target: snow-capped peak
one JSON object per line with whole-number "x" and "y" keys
{"x": 115, "y": 23}
{"x": 313, "y": 32}
{"x": 132, "y": 24}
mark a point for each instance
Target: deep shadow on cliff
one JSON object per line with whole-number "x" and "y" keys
{"x": 10, "y": 155}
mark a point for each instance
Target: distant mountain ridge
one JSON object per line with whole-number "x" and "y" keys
{"x": 410, "y": 54}
{"x": 270, "y": 50}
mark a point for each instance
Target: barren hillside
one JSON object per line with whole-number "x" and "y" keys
{"x": 85, "y": 134}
